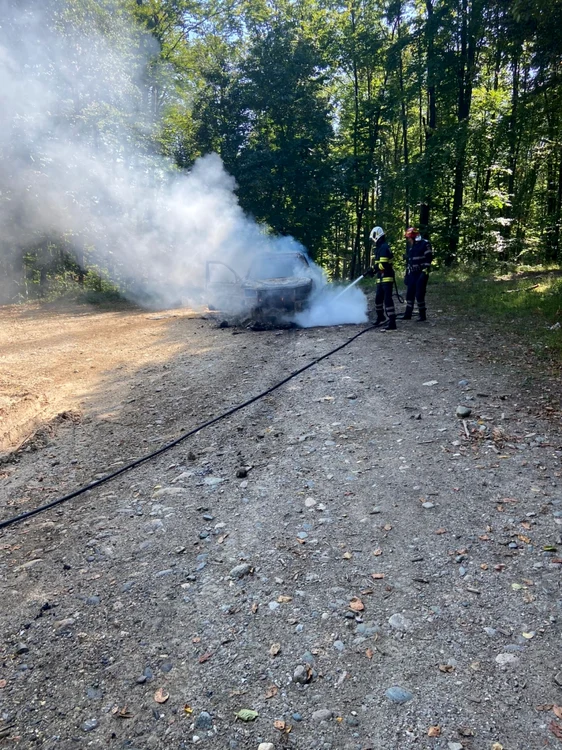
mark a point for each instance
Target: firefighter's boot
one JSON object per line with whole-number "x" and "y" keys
{"x": 391, "y": 325}
{"x": 422, "y": 316}
{"x": 380, "y": 319}
{"x": 407, "y": 314}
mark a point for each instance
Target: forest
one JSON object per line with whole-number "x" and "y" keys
{"x": 330, "y": 116}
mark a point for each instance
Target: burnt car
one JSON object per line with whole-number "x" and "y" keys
{"x": 275, "y": 284}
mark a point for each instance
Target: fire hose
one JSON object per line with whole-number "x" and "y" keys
{"x": 177, "y": 441}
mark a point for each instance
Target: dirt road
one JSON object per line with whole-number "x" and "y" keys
{"x": 346, "y": 557}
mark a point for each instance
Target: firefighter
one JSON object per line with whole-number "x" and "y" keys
{"x": 384, "y": 273}
{"x": 418, "y": 262}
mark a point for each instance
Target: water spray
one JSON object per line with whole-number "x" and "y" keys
{"x": 350, "y": 286}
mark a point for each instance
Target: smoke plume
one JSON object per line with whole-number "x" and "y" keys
{"x": 76, "y": 165}
{"x": 330, "y": 307}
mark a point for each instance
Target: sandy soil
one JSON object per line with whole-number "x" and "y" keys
{"x": 52, "y": 358}
{"x": 383, "y": 542}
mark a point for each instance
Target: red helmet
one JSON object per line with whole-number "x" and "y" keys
{"x": 411, "y": 233}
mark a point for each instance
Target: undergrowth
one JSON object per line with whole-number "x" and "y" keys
{"x": 528, "y": 300}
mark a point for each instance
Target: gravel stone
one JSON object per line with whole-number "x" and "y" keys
{"x": 503, "y": 659}
{"x": 397, "y": 694}
{"x": 399, "y": 622}
{"x": 239, "y": 571}
{"x": 300, "y": 675}
{"x": 463, "y": 412}
{"x": 204, "y": 721}
{"x": 322, "y": 714}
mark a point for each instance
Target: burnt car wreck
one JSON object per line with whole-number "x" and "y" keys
{"x": 275, "y": 286}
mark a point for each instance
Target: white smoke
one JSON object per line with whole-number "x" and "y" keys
{"x": 333, "y": 306}
{"x": 75, "y": 166}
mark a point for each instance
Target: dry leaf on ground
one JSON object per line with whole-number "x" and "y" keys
{"x": 356, "y": 604}
{"x": 161, "y": 696}
{"x": 122, "y": 713}
{"x": 434, "y": 731}
{"x": 247, "y": 714}
{"x": 556, "y": 729}
{"x": 274, "y": 649}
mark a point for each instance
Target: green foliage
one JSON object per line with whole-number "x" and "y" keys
{"x": 283, "y": 168}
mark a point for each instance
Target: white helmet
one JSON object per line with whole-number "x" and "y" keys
{"x": 376, "y": 233}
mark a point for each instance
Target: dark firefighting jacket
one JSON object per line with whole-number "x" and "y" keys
{"x": 419, "y": 256}
{"x": 382, "y": 261}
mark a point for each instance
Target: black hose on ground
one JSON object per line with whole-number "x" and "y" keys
{"x": 168, "y": 446}
{"x": 400, "y": 299}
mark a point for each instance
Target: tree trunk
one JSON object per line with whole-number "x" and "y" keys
{"x": 404, "y": 112}
{"x": 470, "y": 24}
{"x": 431, "y": 123}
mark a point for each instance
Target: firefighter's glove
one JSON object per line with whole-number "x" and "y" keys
{"x": 369, "y": 272}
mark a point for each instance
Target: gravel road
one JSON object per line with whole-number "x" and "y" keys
{"x": 346, "y": 564}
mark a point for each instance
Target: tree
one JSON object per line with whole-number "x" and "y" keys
{"x": 283, "y": 168}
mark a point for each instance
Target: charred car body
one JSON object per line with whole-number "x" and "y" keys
{"x": 275, "y": 285}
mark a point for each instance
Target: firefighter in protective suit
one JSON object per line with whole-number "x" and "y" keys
{"x": 418, "y": 262}
{"x": 384, "y": 274}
